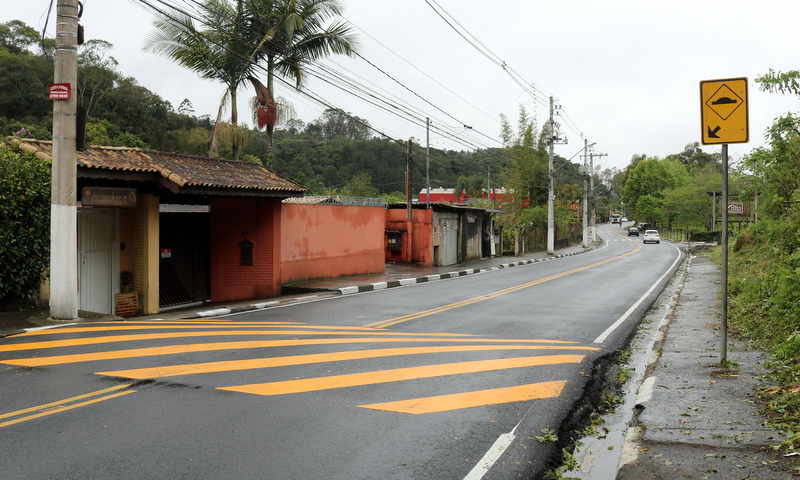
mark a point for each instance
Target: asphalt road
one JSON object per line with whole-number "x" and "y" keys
{"x": 453, "y": 379}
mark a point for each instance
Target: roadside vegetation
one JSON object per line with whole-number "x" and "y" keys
{"x": 764, "y": 263}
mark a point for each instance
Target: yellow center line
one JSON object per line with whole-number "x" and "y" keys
{"x": 62, "y": 405}
{"x": 250, "y": 364}
{"x": 457, "y": 401}
{"x": 399, "y": 374}
{"x": 470, "y": 301}
{"x": 208, "y": 347}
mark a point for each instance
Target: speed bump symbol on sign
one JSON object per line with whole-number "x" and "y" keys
{"x": 724, "y": 111}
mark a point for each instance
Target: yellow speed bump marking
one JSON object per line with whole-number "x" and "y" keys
{"x": 250, "y": 364}
{"x": 399, "y": 374}
{"x": 470, "y": 301}
{"x": 457, "y": 401}
{"x": 160, "y": 336}
{"x": 64, "y": 405}
{"x": 209, "y": 347}
{"x": 187, "y": 326}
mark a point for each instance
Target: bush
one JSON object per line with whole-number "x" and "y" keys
{"x": 25, "y": 217}
{"x": 705, "y": 236}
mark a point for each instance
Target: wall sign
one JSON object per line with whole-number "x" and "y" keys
{"x": 108, "y": 197}
{"x": 59, "y": 91}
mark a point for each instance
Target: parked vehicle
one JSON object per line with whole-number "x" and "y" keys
{"x": 633, "y": 231}
{"x": 651, "y": 236}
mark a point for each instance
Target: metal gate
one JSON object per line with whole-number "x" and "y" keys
{"x": 185, "y": 258}
{"x": 450, "y": 243}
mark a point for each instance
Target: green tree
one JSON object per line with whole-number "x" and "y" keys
{"x": 16, "y": 37}
{"x": 650, "y": 177}
{"x": 218, "y": 47}
{"x": 360, "y": 186}
{"x": 337, "y": 123}
{"x": 780, "y": 82}
{"x": 777, "y": 168}
{"x": 25, "y": 216}
{"x": 97, "y": 73}
{"x": 293, "y": 34}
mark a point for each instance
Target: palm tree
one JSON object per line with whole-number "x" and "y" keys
{"x": 216, "y": 47}
{"x": 293, "y": 34}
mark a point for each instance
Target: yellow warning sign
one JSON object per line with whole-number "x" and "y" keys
{"x": 724, "y": 112}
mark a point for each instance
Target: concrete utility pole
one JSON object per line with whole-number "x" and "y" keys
{"x": 591, "y": 189}
{"x": 63, "y": 201}
{"x": 427, "y": 162}
{"x": 550, "y": 176}
{"x": 585, "y": 168}
{"x": 409, "y": 188}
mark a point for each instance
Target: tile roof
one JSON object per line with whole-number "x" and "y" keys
{"x": 182, "y": 170}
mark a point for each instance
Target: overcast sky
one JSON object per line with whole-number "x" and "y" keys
{"x": 625, "y": 72}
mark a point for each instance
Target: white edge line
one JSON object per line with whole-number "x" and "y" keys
{"x": 48, "y": 327}
{"x": 625, "y": 316}
{"x": 490, "y": 458}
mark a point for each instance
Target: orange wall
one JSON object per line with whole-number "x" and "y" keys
{"x": 324, "y": 241}
{"x": 230, "y": 219}
{"x": 420, "y": 248}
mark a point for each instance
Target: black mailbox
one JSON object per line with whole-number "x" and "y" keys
{"x": 395, "y": 240}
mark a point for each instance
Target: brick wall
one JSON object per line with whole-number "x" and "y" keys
{"x": 233, "y": 221}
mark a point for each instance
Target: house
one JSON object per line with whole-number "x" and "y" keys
{"x": 439, "y": 235}
{"x": 158, "y": 229}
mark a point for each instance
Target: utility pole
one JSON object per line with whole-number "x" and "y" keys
{"x": 428, "y": 162}
{"x": 409, "y": 163}
{"x": 551, "y": 138}
{"x": 585, "y": 168}
{"x": 63, "y": 201}
{"x": 591, "y": 189}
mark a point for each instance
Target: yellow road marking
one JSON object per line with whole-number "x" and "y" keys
{"x": 61, "y": 405}
{"x": 470, "y": 301}
{"x": 160, "y": 326}
{"x": 495, "y": 396}
{"x": 209, "y": 347}
{"x": 249, "y": 364}
{"x": 399, "y": 374}
{"x": 158, "y": 336}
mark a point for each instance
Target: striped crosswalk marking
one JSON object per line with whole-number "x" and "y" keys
{"x": 399, "y": 374}
{"x": 457, "y": 401}
{"x": 535, "y": 353}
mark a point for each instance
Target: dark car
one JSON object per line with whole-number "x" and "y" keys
{"x": 633, "y": 231}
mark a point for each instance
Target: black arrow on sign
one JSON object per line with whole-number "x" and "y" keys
{"x": 713, "y": 133}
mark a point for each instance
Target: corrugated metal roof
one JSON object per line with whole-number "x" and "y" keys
{"x": 182, "y": 170}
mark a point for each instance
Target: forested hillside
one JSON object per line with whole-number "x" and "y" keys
{"x": 329, "y": 154}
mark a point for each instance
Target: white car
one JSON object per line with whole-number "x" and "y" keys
{"x": 651, "y": 236}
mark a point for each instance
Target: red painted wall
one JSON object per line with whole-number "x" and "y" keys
{"x": 261, "y": 220}
{"x": 420, "y": 247}
{"x": 325, "y": 241}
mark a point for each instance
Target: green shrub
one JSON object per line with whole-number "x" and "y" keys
{"x": 25, "y": 221}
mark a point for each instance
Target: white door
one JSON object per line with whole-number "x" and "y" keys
{"x": 95, "y": 238}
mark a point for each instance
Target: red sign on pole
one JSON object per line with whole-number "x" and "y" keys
{"x": 59, "y": 91}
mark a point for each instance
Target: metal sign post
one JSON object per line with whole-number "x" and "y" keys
{"x": 724, "y": 119}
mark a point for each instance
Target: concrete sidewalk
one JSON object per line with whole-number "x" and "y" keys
{"x": 696, "y": 419}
